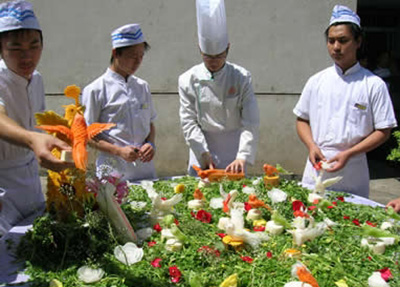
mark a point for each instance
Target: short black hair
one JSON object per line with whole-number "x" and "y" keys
{"x": 356, "y": 30}
{"x": 6, "y": 33}
{"x": 119, "y": 50}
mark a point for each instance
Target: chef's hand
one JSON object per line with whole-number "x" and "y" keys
{"x": 236, "y": 166}
{"x": 128, "y": 153}
{"x": 395, "y": 203}
{"x": 338, "y": 161}
{"x": 315, "y": 155}
{"x": 206, "y": 161}
{"x": 42, "y": 145}
{"x": 147, "y": 152}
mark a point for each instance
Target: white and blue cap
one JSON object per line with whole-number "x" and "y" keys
{"x": 341, "y": 14}
{"x": 15, "y": 15}
{"x": 127, "y": 35}
{"x": 211, "y": 26}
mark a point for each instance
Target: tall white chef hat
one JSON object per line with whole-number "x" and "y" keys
{"x": 15, "y": 15}
{"x": 211, "y": 26}
{"x": 342, "y": 14}
{"x": 127, "y": 35}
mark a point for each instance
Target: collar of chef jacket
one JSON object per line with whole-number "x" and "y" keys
{"x": 352, "y": 70}
{"x": 206, "y": 75}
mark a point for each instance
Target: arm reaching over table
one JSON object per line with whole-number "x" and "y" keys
{"x": 395, "y": 203}
{"x": 40, "y": 144}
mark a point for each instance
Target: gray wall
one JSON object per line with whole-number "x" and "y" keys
{"x": 280, "y": 42}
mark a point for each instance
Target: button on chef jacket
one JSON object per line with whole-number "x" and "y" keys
{"x": 19, "y": 174}
{"x": 219, "y": 114}
{"x": 343, "y": 109}
{"x": 128, "y": 104}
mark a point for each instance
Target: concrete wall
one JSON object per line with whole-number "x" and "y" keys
{"x": 280, "y": 42}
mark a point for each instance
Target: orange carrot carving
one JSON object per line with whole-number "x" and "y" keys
{"x": 270, "y": 170}
{"x": 306, "y": 277}
{"x": 255, "y": 202}
{"x": 198, "y": 194}
{"x": 79, "y": 134}
{"x": 217, "y": 174}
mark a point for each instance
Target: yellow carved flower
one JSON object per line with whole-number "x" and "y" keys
{"x": 73, "y": 91}
{"x": 230, "y": 281}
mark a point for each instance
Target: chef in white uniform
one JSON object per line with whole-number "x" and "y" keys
{"x": 21, "y": 96}
{"x": 344, "y": 111}
{"x": 218, "y": 108}
{"x": 119, "y": 97}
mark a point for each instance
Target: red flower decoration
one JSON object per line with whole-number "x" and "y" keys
{"x": 369, "y": 258}
{"x": 315, "y": 201}
{"x": 193, "y": 214}
{"x": 259, "y": 228}
{"x": 175, "y": 274}
{"x": 334, "y": 203}
{"x": 203, "y": 216}
{"x": 176, "y": 221}
{"x": 386, "y": 274}
{"x": 370, "y": 223}
{"x": 346, "y": 217}
{"x": 151, "y": 243}
{"x": 269, "y": 254}
{"x": 318, "y": 165}
{"x": 244, "y": 185}
{"x": 221, "y": 235}
{"x": 312, "y": 207}
{"x": 247, "y": 259}
{"x": 163, "y": 198}
{"x": 298, "y": 205}
{"x": 330, "y": 207}
{"x": 299, "y": 213}
{"x": 340, "y": 198}
{"x": 356, "y": 222}
{"x": 156, "y": 263}
{"x": 157, "y": 227}
{"x": 247, "y": 206}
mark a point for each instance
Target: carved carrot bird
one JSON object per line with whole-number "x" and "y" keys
{"x": 217, "y": 174}
{"x": 79, "y": 134}
{"x": 254, "y": 202}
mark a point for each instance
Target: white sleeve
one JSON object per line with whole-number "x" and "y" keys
{"x": 250, "y": 123}
{"x": 189, "y": 121}
{"x": 382, "y": 108}
{"x": 153, "y": 115}
{"x": 92, "y": 103}
{"x": 302, "y": 108}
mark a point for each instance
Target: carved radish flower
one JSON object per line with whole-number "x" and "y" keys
{"x": 128, "y": 254}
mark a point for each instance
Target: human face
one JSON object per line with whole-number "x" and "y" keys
{"x": 129, "y": 60}
{"x": 342, "y": 46}
{"x": 214, "y": 63}
{"x": 21, "y": 51}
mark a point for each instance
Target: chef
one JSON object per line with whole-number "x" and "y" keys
{"x": 22, "y": 147}
{"x": 344, "y": 111}
{"x": 218, "y": 110}
{"x": 119, "y": 97}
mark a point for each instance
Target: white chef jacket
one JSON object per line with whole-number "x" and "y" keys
{"x": 343, "y": 109}
{"x": 128, "y": 104}
{"x": 19, "y": 175}
{"x": 219, "y": 114}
